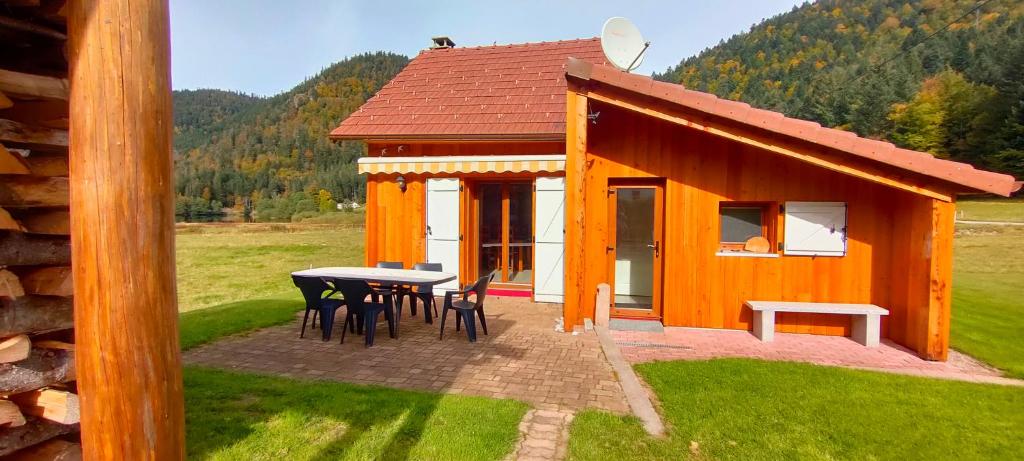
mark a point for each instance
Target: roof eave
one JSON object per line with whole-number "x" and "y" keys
{"x": 586, "y": 74}
{"x": 478, "y": 137}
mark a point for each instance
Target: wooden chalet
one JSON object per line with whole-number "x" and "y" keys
{"x": 556, "y": 173}
{"x": 88, "y": 321}
{"x": 465, "y": 163}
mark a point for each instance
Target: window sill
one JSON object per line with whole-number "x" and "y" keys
{"x": 744, "y": 254}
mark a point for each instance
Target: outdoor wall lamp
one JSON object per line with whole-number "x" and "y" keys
{"x": 401, "y": 183}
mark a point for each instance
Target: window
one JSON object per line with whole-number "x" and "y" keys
{"x": 815, "y": 229}
{"x": 741, "y": 222}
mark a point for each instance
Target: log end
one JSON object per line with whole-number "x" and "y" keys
{"x": 15, "y": 349}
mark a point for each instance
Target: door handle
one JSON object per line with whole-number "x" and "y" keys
{"x": 654, "y": 246}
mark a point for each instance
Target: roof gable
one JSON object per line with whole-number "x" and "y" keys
{"x": 488, "y": 92}
{"x": 882, "y": 153}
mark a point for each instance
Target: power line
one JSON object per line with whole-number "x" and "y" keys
{"x": 929, "y": 37}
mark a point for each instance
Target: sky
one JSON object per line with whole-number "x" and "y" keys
{"x": 265, "y": 47}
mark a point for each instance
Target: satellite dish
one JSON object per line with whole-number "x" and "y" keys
{"x": 622, "y": 43}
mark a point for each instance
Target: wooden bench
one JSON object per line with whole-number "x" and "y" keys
{"x": 866, "y": 318}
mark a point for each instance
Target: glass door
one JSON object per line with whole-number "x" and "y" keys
{"x": 520, "y": 233}
{"x": 504, "y": 236}
{"x": 635, "y": 236}
{"x": 490, "y": 237}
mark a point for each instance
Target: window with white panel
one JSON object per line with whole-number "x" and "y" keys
{"x": 815, "y": 229}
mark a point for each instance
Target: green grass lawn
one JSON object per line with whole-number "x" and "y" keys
{"x": 1009, "y": 210}
{"x": 231, "y": 416}
{"x": 233, "y": 279}
{"x": 988, "y": 295}
{"x": 753, "y": 410}
{"x": 201, "y": 326}
{"x": 352, "y": 218}
{"x": 221, "y": 264}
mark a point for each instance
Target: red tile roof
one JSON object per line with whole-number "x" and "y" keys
{"x": 777, "y": 123}
{"x": 487, "y": 92}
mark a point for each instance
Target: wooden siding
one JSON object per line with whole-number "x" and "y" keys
{"x": 899, "y": 242}
{"x": 396, "y": 221}
{"x": 826, "y": 158}
{"x": 921, "y": 281}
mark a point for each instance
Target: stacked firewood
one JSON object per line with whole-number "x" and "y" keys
{"x": 39, "y": 410}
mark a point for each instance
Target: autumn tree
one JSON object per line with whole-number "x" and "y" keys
{"x": 230, "y": 145}
{"x": 949, "y": 116}
{"x": 867, "y": 66}
{"x": 325, "y": 202}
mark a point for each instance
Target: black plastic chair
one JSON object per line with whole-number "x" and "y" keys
{"x": 355, "y": 293}
{"x": 396, "y": 291}
{"x": 313, "y": 289}
{"x": 466, "y": 311}
{"x": 424, "y": 293}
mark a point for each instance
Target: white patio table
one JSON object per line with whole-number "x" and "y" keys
{"x": 380, "y": 276}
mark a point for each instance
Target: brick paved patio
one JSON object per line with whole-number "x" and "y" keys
{"x": 703, "y": 344}
{"x": 523, "y": 358}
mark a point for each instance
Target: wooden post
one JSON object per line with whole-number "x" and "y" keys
{"x": 122, "y": 230}
{"x": 575, "y": 206}
{"x": 940, "y": 292}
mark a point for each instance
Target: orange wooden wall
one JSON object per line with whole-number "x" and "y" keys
{"x": 396, "y": 221}
{"x": 894, "y": 246}
{"x": 921, "y": 281}
{"x": 395, "y": 225}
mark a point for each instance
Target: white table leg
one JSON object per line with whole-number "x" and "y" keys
{"x": 867, "y": 329}
{"x": 764, "y": 325}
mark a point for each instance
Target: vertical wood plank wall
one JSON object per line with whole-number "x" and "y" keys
{"x": 899, "y": 243}
{"x": 396, "y": 221}
{"x": 922, "y": 270}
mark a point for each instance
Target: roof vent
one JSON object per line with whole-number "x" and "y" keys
{"x": 442, "y": 43}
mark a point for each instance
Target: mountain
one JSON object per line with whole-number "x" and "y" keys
{"x": 199, "y": 114}
{"x": 233, "y": 149}
{"x": 943, "y": 76}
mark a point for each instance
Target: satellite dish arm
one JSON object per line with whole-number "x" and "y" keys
{"x": 637, "y": 58}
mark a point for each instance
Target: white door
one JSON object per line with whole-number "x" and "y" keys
{"x": 443, "y": 228}
{"x": 549, "y": 240}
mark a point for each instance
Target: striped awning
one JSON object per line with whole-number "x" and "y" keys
{"x": 463, "y": 164}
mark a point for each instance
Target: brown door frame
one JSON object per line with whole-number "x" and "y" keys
{"x": 472, "y": 239}
{"x": 659, "y": 241}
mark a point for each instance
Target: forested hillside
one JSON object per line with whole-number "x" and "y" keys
{"x": 930, "y": 75}
{"x": 200, "y": 114}
{"x": 943, "y": 76}
{"x": 273, "y": 153}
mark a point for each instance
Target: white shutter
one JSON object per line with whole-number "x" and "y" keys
{"x": 815, "y": 229}
{"x": 549, "y": 240}
{"x": 443, "y": 228}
